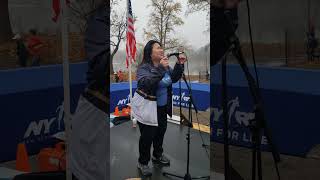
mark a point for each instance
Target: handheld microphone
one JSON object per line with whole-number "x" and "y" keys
{"x": 174, "y": 54}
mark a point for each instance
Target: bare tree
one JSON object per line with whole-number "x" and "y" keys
{"x": 163, "y": 19}
{"x": 118, "y": 29}
{"x": 198, "y": 5}
{"x": 81, "y": 10}
{"x": 5, "y": 30}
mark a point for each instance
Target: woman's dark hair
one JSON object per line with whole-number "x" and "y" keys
{"x": 147, "y": 52}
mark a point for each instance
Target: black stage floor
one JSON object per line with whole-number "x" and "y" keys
{"x": 124, "y": 153}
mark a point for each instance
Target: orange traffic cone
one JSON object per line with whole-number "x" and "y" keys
{"x": 116, "y": 111}
{"x": 22, "y": 160}
{"x": 124, "y": 111}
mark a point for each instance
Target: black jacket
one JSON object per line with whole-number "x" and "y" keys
{"x": 97, "y": 48}
{"x": 148, "y": 78}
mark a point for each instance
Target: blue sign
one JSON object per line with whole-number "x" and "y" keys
{"x": 120, "y": 95}
{"x": 32, "y": 106}
{"x": 200, "y": 95}
{"x": 291, "y": 113}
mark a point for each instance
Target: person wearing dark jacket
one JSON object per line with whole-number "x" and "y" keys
{"x": 155, "y": 78}
{"x": 89, "y": 144}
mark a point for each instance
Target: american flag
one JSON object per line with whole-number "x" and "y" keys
{"x": 56, "y": 9}
{"x": 131, "y": 39}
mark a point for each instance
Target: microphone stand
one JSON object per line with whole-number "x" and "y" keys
{"x": 182, "y": 117}
{"x": 187, "y": 176}
{"x": 257, "y": 125}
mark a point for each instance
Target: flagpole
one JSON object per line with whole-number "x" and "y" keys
{"x": 130, "y": 84}
{"x": 130, "y": 77}
{"x": 66, "y": 84}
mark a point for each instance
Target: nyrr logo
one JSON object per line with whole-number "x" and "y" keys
{"x": 36, "y": 128}
{"x": 124, "y": 101}
{"x": 41, "y": 129}
{"x": 184, "y": 99}
{"x": 240, "y": 117}
{"x": 235, "y": 118}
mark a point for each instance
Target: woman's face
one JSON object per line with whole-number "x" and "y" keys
{"x": 157, "y": 52}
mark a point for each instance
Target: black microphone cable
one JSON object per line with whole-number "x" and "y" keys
{"x": 251, "y": 43}
{"x": 254, "y": 64}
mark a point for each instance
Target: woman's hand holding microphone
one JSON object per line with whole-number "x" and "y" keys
{"x": 164, "y": 62}
{"x": 182, "y": 58}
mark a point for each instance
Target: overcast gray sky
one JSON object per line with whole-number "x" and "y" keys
{"x": 193, "y": 30}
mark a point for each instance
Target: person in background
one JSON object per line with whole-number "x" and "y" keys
{"x": 312, "y": 44}
{"x": 22, "y": 51}
{"x": 120, "y": 76}
{"x": 116, "y": 77}
{"x": 34, "y": 47}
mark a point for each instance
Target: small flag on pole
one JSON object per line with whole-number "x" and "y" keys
{"x": 56, "y": 9}
{"x": 131, "y": 39}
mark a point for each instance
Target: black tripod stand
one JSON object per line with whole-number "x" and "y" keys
{"x": 184, "y": 121}
{"x": 257, "y": 125}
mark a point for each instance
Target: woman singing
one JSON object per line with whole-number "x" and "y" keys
{"x": 155, "y": 78}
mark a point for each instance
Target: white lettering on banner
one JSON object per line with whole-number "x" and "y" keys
{"x": 245, "y": 138}
{"x": 60, "y": 112}
{"x": 234, "y": 135}
{"x": 264, "y": 140}
{"x": 183, "y": 98}
{"x": 219, "y": 132}
{"x": 240, "y": 117}
{"x": 175, "y": 97}
{"x": 216, "y": 114}
{"x": 237, "y": 136}
{"x": 35, "y": 128}
{"x": 124, "y": 101}
{"x": 43, "y": 127}
{"x": 47, "y": 125}
{"x": 243, "y": 117}
{"x": 232, "y": 105}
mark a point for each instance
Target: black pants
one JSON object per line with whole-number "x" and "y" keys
{"x": 152, "y": 135}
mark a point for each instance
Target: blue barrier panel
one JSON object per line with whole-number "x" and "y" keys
{"x": 290, "y": 99}
{"x": 32, "y": 106}
{"x": 119, "y": 95}
{"x": 200, "y": 95}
